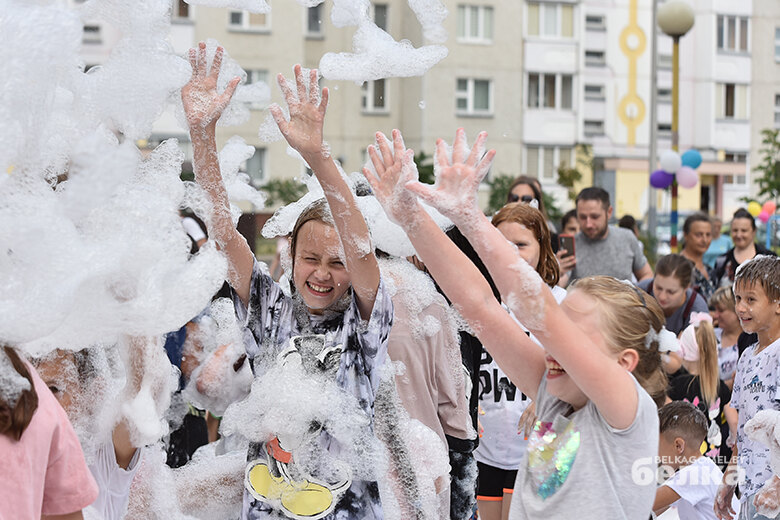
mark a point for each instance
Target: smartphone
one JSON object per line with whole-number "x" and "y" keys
{"x": 566, "y": 242}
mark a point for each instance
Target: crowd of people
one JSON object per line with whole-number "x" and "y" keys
{"x": 508, "y": 370}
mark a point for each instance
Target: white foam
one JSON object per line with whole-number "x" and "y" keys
{"x": 253, "y": 6}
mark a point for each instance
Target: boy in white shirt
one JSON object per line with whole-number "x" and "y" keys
{"x": 693, "y": 486}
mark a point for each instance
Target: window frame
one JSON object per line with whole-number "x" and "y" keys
{"x": 372, "y": 14}
{"x": 723, "y": 34}
{"x": 253, "y": 76}
{"x": 541, "y": 164}
{"x": 777, "y": 44}
{"x": 255, "y": 179}
{"x": 541, "y": 84}
{"x": 176, "y": 17}
{"x": 722, "y": 98}
{"x": 596, "y": 25}
{"x": 367, "y": 98}
{"x": 601, "y": 95}
{"x": 593, "y": 132}
{"x": 777, "y": 111}
{"x": 320, "y": 32}
{"x": 469, "y": 95}
{"x": 245, "y": 26}
{"x": 592, "y": 62}
{"x": 481, "y": 38}
{"x": 542, "y": 19}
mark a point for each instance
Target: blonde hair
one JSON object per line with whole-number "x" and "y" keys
{"x": 628, "y": 314}
{"x": 533, "y": 219}
{"x": 724, "y": 298}
{"x": 709, "y": 378}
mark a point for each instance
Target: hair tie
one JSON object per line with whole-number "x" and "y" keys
{"x": 698, "y": 317}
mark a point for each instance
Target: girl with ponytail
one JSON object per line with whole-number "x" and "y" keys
{"x": 699, "y": 382}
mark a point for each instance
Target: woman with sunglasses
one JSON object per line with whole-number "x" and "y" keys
{"x": 527, "y": 189}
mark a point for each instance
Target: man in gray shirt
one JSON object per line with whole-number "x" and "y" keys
{"x": 602, "y": 249}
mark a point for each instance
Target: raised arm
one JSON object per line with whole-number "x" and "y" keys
{"x": 601, "y": 378}
{"x": 304, "y": 133}
{"x": 461, "y": 281}
{"x": 203, "y": 105}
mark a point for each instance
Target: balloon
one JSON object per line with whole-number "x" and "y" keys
{"x": 691, "y": 158}
{"x": 763, "y": 217}
{"x": 660, "y": 179}
{"x": 670, "y": 161}
{"x": 770, "y": 207}
{"x": 687, "y": 177}
{"x": 754, "y": 208}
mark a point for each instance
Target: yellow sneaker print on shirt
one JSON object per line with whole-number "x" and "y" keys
{"x": 296, "y": 499}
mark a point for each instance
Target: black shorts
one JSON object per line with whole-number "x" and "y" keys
{"x": 493, "y": 483}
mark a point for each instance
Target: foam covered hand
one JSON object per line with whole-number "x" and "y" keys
{"x": 767, "y": 501}
{"x": 203, "y": 104}
{"x": 764, "y": 427}
{"x": 722, "y": 506}
{"x": 307, "y": 112}
{"x": 393, "y": 170}
{"x": 457, "y": 179}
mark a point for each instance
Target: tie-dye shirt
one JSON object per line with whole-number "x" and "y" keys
{"x": 756, "y": 388}
{"x": 336, "y": 348}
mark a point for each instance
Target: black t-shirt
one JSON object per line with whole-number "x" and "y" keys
{"x": 685, "y": 387}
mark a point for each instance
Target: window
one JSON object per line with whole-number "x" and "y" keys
{"x": 380, "y": 15}
{"x": 595, "y": 22}
{"x": 735, "y": 179}
{"x": 732, "y": 33}
{"x": 550, "y": 91}
{"x": 314, "y": 21}
{"x": 255, "y": 167}
{"x": 664, "y": 61}
{"x": 181, "y": 10}
{"x": 543, "y": 162}
{"x": 253, "y": 76}
{"x": 730, "y": 101}
{"x": 246, "y": 21}
{"x": 475, "y": 23}
{"x": 664, "y": 95}
{"x": 595, "y": 58}
{"x": 735, "y": 157}
{"x": 91, "y": 34}
{"x": 591, "y": 128}
{"x": 550, "y": 20}
{"x": 473, "y": 97}
{"x": 665, "y": 130}
{"x": 777, "y": 110}
{"x": 374, "y": 96}
{"x": 777, "y": 43}
{"x": 595, "y": 92}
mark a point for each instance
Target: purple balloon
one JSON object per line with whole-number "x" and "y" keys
{"x": 661, "y": 180}
{"x": 687, "y": 177}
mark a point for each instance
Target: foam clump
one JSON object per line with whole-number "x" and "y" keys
{"x": 431, "y": 15}
{"x": 231, "y": 157}
{"x": 349, "y": 12}
{"x": 377, "y": 55}
{"x": 253, "y": 6}
{"x": 12, "y": 384}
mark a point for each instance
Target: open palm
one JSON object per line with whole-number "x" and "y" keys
{"x": 203, "y": 104}
{"x": 307, "y": 112}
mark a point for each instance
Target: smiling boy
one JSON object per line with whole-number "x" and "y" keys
{"x": 757, "y": 380}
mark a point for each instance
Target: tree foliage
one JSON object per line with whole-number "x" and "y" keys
{"x": 569, "y": 176}
{"x": 769, "y": 165}
{"x": 283, "y": 191}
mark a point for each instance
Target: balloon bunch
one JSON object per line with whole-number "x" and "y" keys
{"x": 673, "y": 165}
{"x": 762, "y": 212}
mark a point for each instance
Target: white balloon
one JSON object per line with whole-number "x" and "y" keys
{"x": 670, "y": 161}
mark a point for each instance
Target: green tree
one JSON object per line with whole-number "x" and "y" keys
{"x": 568, "y": 176}
{"x": 283, "y": 191}
{"x": 499, "y": 187}
{"x": 424, "y": 164}
{"x": 769, "y": 165}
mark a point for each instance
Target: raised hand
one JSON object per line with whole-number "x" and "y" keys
{"x": 203, "y": 105}
{"x": 455, "y": 191}
{"x": 307, "y": 113}
{"x": 393, "y": 170}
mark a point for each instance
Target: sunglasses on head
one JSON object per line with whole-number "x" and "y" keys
{"x": 526, "y": 199}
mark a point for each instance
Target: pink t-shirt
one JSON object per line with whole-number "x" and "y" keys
{"x": 44, "y": 472}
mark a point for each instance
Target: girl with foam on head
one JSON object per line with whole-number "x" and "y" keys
{"x": 593, "y": 382}
{"x": 332, "y": 331}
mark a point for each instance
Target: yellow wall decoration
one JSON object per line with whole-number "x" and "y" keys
{"x": 631, "y": 109}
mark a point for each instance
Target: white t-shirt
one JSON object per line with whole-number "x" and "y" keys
{"x": 756, "y": 388}
{"x": 697, "y": 484}
{"x": 502, "y": 405}
{"x": 193, "y": 229}
{"x": 113, "y": 483}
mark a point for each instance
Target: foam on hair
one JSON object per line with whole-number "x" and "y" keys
{"x": 628, "y": 314}
{"x": 682, "y": 419}
{"x": 761, "y": 270}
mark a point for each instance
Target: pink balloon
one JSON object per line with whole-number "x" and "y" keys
{"x": 687, "y": 177}
{"x": 763, "y": 217}
{"x": 769, "y": 207}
